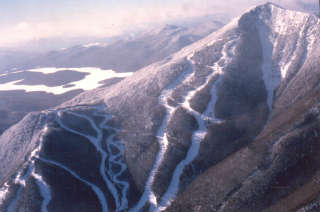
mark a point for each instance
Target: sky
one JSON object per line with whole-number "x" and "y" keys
{"x": 27, "y": 20}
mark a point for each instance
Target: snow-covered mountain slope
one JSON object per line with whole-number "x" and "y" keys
{"x": 229, "y": 123}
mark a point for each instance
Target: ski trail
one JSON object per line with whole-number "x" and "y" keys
{"x": 95, "y": 188}
{"x": 12, "y": 205}
{"x": 21, "y": 179}
{"x": 148, "y": 194}
{"x": 186, "y": 77}
{"x": 199, "y": 134}
{"x": 44, "y": 190}
{"x": 115, "y": 176}
{"x": 110, "y": 178}
{"x": 97, "y": 142}
{"x": 43, "y": 186}
{"x": 115, "y": 158}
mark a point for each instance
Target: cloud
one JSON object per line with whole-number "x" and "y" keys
{"x": 102, "y": 23}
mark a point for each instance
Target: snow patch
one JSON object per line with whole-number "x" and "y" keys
{"x": 270, "y": 78}
{"x": 94, "y": 44}
{"x": 3, "y": 192}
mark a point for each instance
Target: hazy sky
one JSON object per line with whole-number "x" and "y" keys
{"x": 23, "y": 20}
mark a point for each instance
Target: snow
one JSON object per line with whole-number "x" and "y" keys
{"x": 284, "y": 19}
{"x": 93, "y": 45}
{"x": 22, "y": 177}
{"x": 312, "y": 36}
{"x": 199, "y": 135}
{"x": 284, "y": 69}
{"x": 44, "y": 190}
{"x": 7, "y": 73}
{"x": 89, "y": 82}
{"x": 21, "y": 181}
{"x": 271, "y": 79}
{"x": 3, "y": 192}
{"x": 283, "y": 23}
{"x": 119, "y": 188}
{"x": 268, "y": 77}
{"x": 164, "y": 97}
{"x": 286, "y": 23}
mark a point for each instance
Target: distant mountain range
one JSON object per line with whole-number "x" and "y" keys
{"x": 230, "y": 123}
{"x": 122, "y": 55}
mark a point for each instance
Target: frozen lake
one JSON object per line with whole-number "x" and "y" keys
{"x": 92, "y": 79}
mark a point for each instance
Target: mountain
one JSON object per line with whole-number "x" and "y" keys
{"x": 128, "y": 53}
{"x": 123, "y": 55}
{"x": 10, "y": 58}
{"x": 229, "y": 123}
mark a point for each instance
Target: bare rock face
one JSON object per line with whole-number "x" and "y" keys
{"x": 229, "y": 123}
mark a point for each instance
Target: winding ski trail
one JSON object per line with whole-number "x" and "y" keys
{"x": 118, "y": 188}
{"x": 112, "y": 150}
{"x": 197, "y": 136}
{"x": 104, "y": 146}
{"x": 21, "y": 178}
{"x": 95, "y": 188}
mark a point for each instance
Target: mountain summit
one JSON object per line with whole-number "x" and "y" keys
{"x": 229, "y": 123}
